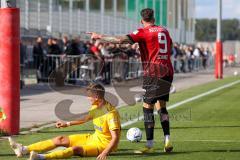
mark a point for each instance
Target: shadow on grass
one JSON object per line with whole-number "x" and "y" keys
{"x": 7, "y": 155}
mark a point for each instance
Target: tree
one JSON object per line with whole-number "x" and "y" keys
{"x": 206, "y": 29}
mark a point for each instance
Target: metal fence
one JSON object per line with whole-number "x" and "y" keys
{"x": 192, "y": 64}
{"x": 84, "y": 68}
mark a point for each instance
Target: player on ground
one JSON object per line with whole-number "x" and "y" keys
{"x": 107, "y": 126}
{"x": 155, "y": 46}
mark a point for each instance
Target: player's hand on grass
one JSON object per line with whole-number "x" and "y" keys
{"x": 95, "y": 35}
{"x": 102, "y": 156}
{"x": 60, "y": 124}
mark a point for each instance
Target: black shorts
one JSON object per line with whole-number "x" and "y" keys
{"x": 156, "y": 89}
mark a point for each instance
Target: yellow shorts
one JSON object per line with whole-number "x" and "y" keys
{"x": 90, "y": 146}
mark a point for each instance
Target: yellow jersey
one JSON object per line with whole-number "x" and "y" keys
{"x": 105, "y": 119}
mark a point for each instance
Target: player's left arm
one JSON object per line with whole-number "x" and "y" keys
{"x": 111, "y": 39}
{"x": 113, "y": 143}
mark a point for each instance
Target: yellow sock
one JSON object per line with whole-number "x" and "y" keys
{"x": 41, "y": 146}
{"x": 66, "y": 153}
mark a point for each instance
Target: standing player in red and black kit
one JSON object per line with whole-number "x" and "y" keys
{"x": 155, "y": 46}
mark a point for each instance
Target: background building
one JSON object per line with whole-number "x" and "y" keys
{"x": 75, "y": 17}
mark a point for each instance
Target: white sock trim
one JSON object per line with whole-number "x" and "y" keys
{"x": 149, "y": 143}
{"x": 25, "y": 150}
{"x": 167, "y": 138}
{"x": 41, "y": 157}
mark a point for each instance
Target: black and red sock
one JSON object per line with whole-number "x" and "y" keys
{"x": 149, "y": 123}
{"x": 164, "y": 119}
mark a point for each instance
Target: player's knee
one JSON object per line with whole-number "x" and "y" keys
{"x": 148, "y": 106}
{"x": 61, "y": 141}
{"x": 161, "y": 104}
{"x": 77, "y": 150}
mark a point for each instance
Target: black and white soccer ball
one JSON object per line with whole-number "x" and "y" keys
{"x": 134, "y": 134}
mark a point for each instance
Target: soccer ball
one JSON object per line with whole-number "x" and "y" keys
{"x": 235, "y": 73}
{"x": 134, "y": 134}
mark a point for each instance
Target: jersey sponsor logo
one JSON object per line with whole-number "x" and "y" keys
{"x": 163, "y": 57}
{"x": 135, "y": 32}
{"x": 113, "y": 120}
{"x": 98, "y": 128}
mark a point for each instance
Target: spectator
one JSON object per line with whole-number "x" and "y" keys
{"x": 205, "y": 57}
{"x": 56, "y": 48}
{"x": 190, "y": 58}
{"x": 75, "y": 47}
{"x": 182, "y": 55}
{"x": 121, "y": 60}
{"x": 22, "y": 63}
{"x": 66, "y": 45}
{"x": 53, "y": 47}
{"x": 99, "y": 60}
{"x": 196, "y": 54}
{"x": 82, "y": 46}
{"x": 22, "y": 53}
{"x": 176, "y": 53}
{"x": 38, "y": 53}
{"x": 107, "y": 66}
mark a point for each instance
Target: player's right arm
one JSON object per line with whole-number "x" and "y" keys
{"x": 111, "y": 39}
{"x": 83, "y": 120}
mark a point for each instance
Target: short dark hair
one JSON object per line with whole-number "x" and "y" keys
{"x": 96, "y": 90}
{"x": 147, "y": 14}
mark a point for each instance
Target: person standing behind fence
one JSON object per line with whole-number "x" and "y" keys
{"x": 182, "y": 58}
{"x": 53, "y": 47}
{"x": 75, "y": 46}
{"x": 53, "y": 59}
{"x": 38, "y": 53}
{"x": 82, "y": 46}
{"x": 205, "y": 57}
{"x": 98, "y": 61}
{"x": 56, "y": 48}
{"x": 66, "y": 46}
{"x": 176, "y": 54}
{"x": 196, "y": 54}
{"x": 189, "y": 54}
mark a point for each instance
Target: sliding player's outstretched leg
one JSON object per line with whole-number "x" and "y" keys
{"x": 40, "y": 147}
{"x": 18, "y": 148}
{"x": 164, "y": 119}
{"x": 60, "y": 154}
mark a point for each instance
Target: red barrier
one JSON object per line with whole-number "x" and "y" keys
{"x": 216, "y": 61}
{"x": 10, "y": 69}
{"x": 219, "y": 61}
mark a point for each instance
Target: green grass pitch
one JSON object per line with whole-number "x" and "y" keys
{"x": 207, "y": 128}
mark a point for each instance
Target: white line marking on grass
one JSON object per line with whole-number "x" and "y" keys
{"x": 185, "y": 101}
{"x": 200, "y": 140}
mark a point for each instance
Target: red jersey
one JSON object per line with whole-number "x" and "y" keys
{"x": 155, "y": 46}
